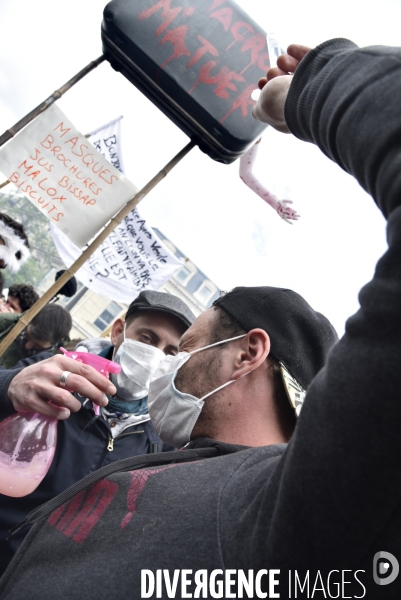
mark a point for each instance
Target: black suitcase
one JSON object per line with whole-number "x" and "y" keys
{"x": 197, "y": 60}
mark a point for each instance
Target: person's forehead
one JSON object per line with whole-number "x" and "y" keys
{"x": 199, "y": 332}
{"x": 154, "y": 319}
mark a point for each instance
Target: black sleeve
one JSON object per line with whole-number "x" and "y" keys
{"x": 6, "y": 408}
{"x": 337, "y": 490}
{"x": 346, "y": 100}
{"x": 32, "y": 360}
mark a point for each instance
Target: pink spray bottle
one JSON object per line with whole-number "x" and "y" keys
{"x": 28, "y": 440}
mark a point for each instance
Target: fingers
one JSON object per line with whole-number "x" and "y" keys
{"x": 288, "y": 64}
{"x": 262, "y": 82}
{"x": 298, "y": 51}
{"x": 37, "y": 385}
{"x": 275, "y": 72}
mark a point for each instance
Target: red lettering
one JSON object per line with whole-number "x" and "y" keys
{"x": 255, "y": 44}
{"x": 236, "y": 31}
{"x": 264, "y": 62}
{"x": 14, "y": 177}
{"x": 215, "y": 4}
{"x": 138, "y": 482}
{"x": 55, "y": 149}
{"x": 28, "y": 168}
{"x": 224, "y": 79}
{"x": 177, "y": 38}
{"x": 206, "y": 47}
{"x": 37, "y": 154}
{"x": 88, "y": 160}
{"x": 168, "y": 14}
{"x": 64, "y": 181}
{"x": 225, "y": 16}
{"x": 50, "y": 140}
{"x": 63, "y": 131}
{"x": 112, "y": 177}
{"x": 57, "y": 217}
{"x": 242, "y": 101}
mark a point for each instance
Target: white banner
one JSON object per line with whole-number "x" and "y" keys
{"x": 61, "y": 173}
{"x": 132, "y": 258}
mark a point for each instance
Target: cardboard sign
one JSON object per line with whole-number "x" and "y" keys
{"x": 132, "y": 258}
{"x": 64, "y": 176}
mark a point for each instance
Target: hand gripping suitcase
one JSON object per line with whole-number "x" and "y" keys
{"x": 197, "y": 60}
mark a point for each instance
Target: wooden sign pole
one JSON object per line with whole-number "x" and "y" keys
{"x": 116, "y": 220}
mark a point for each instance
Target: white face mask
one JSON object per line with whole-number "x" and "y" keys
{"x": 138, "y": 363}
{"x": 174, "y": 413}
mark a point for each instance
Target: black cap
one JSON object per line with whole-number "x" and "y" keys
{"x": 162, "y": 302}
{"x": 69, "y": 288}
{"x": 300, "y": 337}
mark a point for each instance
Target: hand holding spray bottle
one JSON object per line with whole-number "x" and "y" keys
{"x": 28, "y": 440}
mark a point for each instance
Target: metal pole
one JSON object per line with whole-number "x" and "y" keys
{"x": 33, "y": 311}
{"x": 10, "y": 133}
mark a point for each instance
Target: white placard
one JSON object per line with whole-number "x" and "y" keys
{"x": 130, "y": 260}
{"x": 63, "y": 175}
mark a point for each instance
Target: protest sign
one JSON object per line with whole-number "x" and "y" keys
{"x": 130, "y": 260}
{"x": 64, "y": 176}
{"x": 107, "y": 141}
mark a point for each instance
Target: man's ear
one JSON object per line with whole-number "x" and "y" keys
{"x": 116, "y": 330}
{"x": 254, "y": 349}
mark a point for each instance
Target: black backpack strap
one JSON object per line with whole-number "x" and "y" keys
{"x": 126, "y": 464}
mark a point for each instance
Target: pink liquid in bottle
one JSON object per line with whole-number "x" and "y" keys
{"x": 28, "y": 440}
{"x": 27, "y": 446}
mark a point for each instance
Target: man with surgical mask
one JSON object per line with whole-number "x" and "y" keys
{"x": 151, "y": 330}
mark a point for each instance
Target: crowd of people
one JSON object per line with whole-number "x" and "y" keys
{"x": 289, "y": 455}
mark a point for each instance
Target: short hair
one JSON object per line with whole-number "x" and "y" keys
{"x": 18, "y": 228}
{"x": 25, "y": 294}
{"x": 225, "y": 327}
{"x": 52, "y": 324}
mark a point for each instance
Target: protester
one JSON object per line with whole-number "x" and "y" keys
{"x": 152, "y": 328}
{"x": 21, "y": 296}
{"x": 43, "y": 334}
{"x": 14, "y": 246}
{"x": 307, "y": 519}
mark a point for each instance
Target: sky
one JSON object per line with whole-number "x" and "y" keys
{"x": 202, "y": 206}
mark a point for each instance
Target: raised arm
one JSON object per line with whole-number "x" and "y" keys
{"x": 338, "y": 488}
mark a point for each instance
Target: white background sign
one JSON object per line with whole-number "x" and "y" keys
{"x": 130, "y": 260}
{"x": 62, "y": 174}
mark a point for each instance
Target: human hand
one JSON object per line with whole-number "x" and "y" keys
{"x": 36, "y": 386}
{"x": 6, "y": 308}
{"x": 274, "y": 88}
